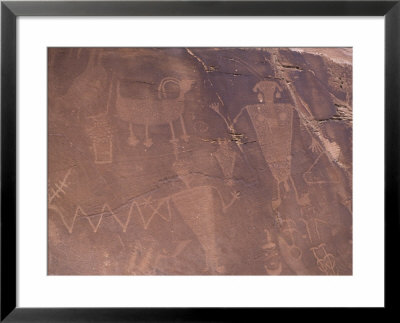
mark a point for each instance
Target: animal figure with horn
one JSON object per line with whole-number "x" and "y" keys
{"x": 157, "y": 110}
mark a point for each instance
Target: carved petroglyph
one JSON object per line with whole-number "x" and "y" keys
{"x": 236, "y": 137}
{"x": 273, "y": 264}
{"x": 155, "y": 209}
{"x": 278, "y": 221}
{"x": 145, "y": 257}
{"x": 313, "y": 176}
{"x": 151, "y": 111}
{"x": 325, "y": 261}
{"x": 273, "y": 125}
{"x": 295, "y": 263}
{"x": 81, "y": 214}
{"x": 201, "y": 126}
{"x": 312, "y": 223}
{"x": 226, "y": 158}
{"x": 290, "y": 252}
{"x": 179, "y": 248}
{"x": 319, "y": 143}
{"x": 135, "y": 253}
{"x": 56, "y": 209}
{"x": 288, "y": 230}
{"x": 346, "y": 201}
{"x": 216, "y": 108}
{"x": 324, "y": 148}
{"x": 100, "y": 133}
{"x": 146, "y": 167}
{"x": 145, "y": 265}
{"x": 59, "y": 188}
{"x": 90, "y": 95}
{"x": 197, "y": 206}
{"x": 142, "y": 258}
{"x": 91, "y": 219}
{"x": 145, "y": 208}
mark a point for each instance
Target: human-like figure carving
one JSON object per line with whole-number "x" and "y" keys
{"x": 291, "y": 253}
{"x": 325, "y": 261}
{"x": 273, "y": 125}
{"x": 226, "y": 158}
{"x": 199, "y": 208}
{"x": 59, "y": 189}
{"x": 100, "y": 134}
{"x": 273, "y": 263}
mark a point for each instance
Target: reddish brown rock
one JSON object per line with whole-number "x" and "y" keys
{"x": 200, "y": 161}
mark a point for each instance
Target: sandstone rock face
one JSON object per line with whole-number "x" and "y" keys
{"x": 200, "y": 161}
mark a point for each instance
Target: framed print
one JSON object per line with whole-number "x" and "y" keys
{"x": 197, "y": 161}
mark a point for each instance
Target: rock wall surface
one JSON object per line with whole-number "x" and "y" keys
{"x": 200, "y": 161}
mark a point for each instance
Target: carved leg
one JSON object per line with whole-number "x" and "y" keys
{"x": 304, "y": 199}
{"x": 276, "y": 198}
{"x": 148, "y": 142}
{"x": 173, "y": 140}
{"x": 132, "y": 140}
{"x": 173, "y": 137}
{"x": 185, "y": 136}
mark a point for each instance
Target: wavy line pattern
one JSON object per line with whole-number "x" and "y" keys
{"x": 106, "y": 210}
{"x": 148, "y": 203}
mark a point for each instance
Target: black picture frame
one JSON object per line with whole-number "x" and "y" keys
{"x": 10, "y": 10}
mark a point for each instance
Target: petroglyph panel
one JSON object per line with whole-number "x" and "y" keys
{"x": 200, "y": 161}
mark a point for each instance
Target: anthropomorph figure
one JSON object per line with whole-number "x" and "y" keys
{"x": 199, "y": 207}
{"x": 273, "y": 126}
{"x": 273, "y": 123}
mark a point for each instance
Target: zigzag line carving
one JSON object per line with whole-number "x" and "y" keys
{"x": 106, "y": 210}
